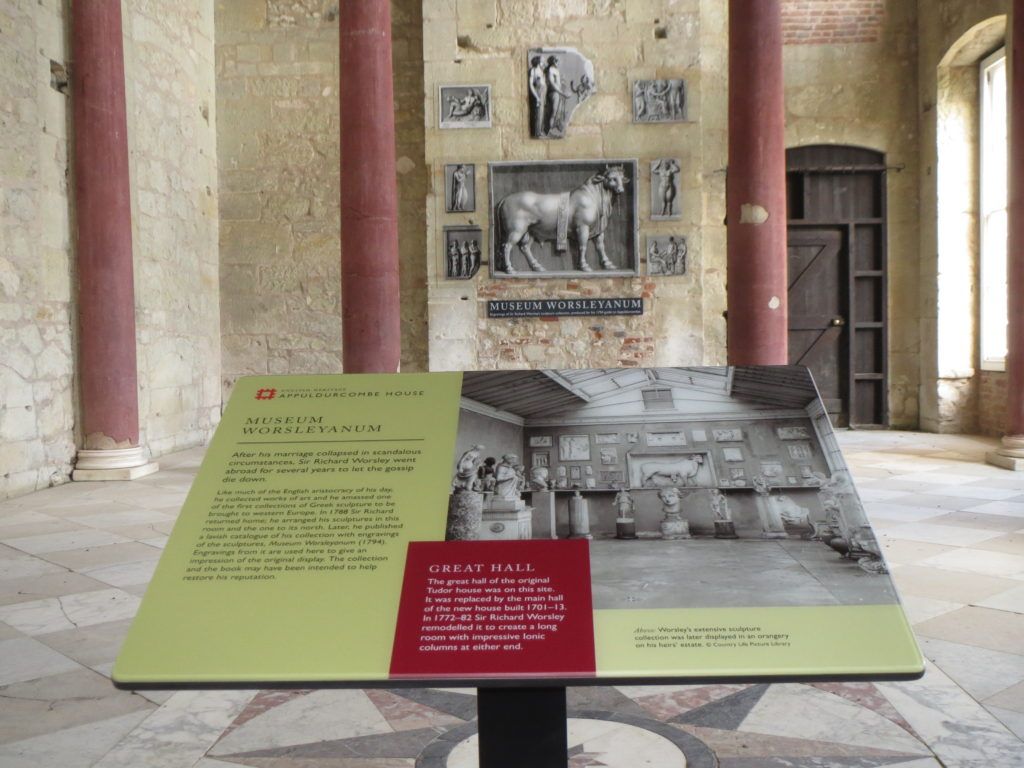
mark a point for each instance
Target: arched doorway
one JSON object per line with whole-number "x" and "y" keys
{"x": 837, "y": 278}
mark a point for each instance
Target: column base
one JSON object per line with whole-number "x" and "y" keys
{"x": 1010, "y": 455}
{"x": 114, "y": 464}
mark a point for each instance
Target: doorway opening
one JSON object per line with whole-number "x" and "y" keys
{"x": 838, "y": 303}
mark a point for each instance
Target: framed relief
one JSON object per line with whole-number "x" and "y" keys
{"x": 558, "y": 80}
{"x": 605, "y": 439}
{"x": 541, "y": 459}
{"x": 632, "y": 437}
{"x": 733, "y": 454}
{"x": 799, "y": 451}
{"x": 728, "y": 435}
{"x": 574, "y": 448}
{"x": 792, "y": 433}
{"x": 665, "y": 189}
{"x": 540, "y": 441}
{"x": 666, "y": 255}
{"x": 611, "y": 476}
{"x": 539, "y": 211}
{"x": 460, "y": 188}
{"x": 662, "y": 439}
{"x": 575, "y": 473}
{"x": 700, "y": 436}
{"x": 659, "y": 101}
{"x": 462, "y": 254}
{"x": 737, "y": 473}
{"x": 771, "y": 469}
{"x": 464, "y": 106}
{"x": 609, "y": 456}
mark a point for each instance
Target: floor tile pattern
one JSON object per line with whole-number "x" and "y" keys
{"x": 75, "y": 559}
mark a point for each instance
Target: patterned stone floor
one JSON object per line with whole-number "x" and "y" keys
{"x": 75, "y": 559}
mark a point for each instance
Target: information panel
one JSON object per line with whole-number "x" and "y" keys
{"x": 671, "y": 523}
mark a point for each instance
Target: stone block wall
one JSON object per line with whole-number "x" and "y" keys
{"x": 172, "y": 144}
{"x": 865, "y": 94}
{"x": 486, "y": 41}
{"x": 36, "y": 353}
{"x": 992, "y": 402}
{"x": 278, "y": 148}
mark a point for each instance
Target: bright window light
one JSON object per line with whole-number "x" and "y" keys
{"x": 994, "y": 149}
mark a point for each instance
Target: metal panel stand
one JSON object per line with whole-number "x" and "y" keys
{"x": 522, "y": 727}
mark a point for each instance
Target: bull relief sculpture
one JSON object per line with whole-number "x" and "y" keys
{"x": 551, "y": 213}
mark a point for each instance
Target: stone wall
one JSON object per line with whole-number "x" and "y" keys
{"x": 486, "y": 42}
{"x": 278, "y": 147}
{"x": 992, "y": 402}
{"x": 865, "y": 94}
{"x": 36, "y": 390}
{"x": 172, "y": 145}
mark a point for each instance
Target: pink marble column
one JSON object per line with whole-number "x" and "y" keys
{"x": 107, "y": 374}
{"x": 369, "y": 192}
{"x": 1011, "y": 454}
{"x": 756, "y": 187}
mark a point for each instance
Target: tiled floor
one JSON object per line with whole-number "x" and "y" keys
{"x": 75, "y": 559}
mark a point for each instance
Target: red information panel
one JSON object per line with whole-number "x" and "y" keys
{"x": 495, "y": 609}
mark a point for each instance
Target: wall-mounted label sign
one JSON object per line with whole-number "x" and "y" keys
{"x": 564, "y": 307}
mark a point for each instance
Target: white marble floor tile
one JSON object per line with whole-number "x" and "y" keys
{"x": 56, "y": 614}
{"x": 1010, "y": 600}
{"x": 870, "y": 494}
{"x": 7, "y": 632}
{"x": 179, "y": 733}
{"x": 979, "y": 492}
{"x": 893, "y": 510}
{"x": 1011, "y": 697}
{"x": 978, "y": 561}
{"x": 26, "y": 567}
{"x": 97, "y": 557}
{"x": 78, "y": 747}
{"x": 155, "y": 541}
{"x": 314, "y": 717}
{"x": 41, "y": 586}
{"x": 940, "y": 477}
{"x": 979, "y": 671}
{"x": 124, "y": 574}
{"x": 807, "y": 713}
{"x": 56, "y": 542}
{"x": 942, "y": 534}
{"x": 24, "y": 659}
{"x": 920, "y": 609}
{"x": 1014, "y": 721}
{"x": 956, "y": 728}
{"x": 1007, "y": 508}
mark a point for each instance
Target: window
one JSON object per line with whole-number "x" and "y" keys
{"x": 658, "y": 400}
{"x": 994, "y": 157}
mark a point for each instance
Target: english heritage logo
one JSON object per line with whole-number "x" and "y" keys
{"x": 266, "y": 394}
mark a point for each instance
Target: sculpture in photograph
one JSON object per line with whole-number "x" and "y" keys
{"x": 580, "y": 215}
{"x": 654, "y": 474}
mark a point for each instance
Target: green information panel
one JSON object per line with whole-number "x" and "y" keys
{"x": 663, "y": 524}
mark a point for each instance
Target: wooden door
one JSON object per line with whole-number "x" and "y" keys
{"x": 818, "y": 336}
{"x": 837, "y": 278}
